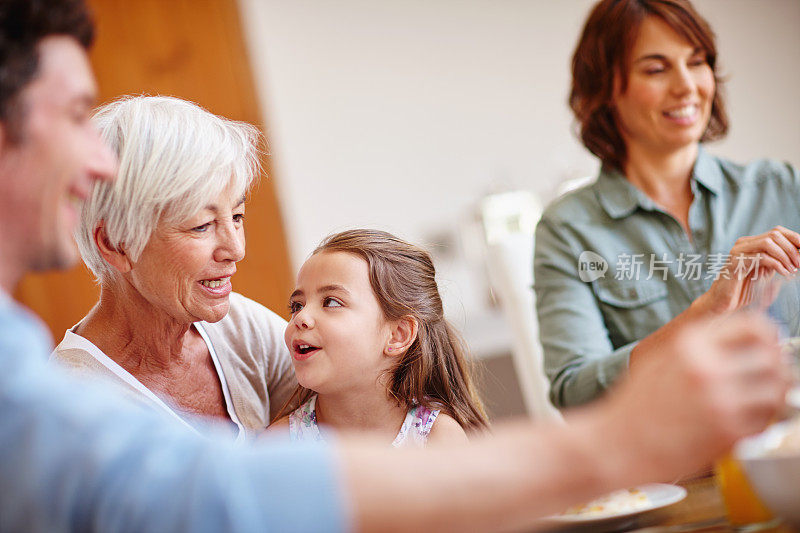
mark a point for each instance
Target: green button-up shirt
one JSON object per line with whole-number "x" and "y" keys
{"x": 590, "y": 318}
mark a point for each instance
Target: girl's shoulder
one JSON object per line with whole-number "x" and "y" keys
{"x": 302, "y": 422}
{"x": 424, "y": 425}
{"x": 446, "y": 430}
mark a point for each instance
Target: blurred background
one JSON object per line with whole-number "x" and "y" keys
{"x": 405, "y": 115}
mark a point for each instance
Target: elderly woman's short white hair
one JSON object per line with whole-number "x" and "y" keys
{"x": 174, "y": 159}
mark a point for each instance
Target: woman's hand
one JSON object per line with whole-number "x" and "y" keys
{"x": 751, "y": 259}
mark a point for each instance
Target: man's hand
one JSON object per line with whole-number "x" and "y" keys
{"x": 707, "y": 386}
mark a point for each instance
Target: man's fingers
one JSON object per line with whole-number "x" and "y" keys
{"x": 743, "y": 328}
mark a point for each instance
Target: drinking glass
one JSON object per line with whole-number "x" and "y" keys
{"x": 779, "y": 298}
{"x": 745, "y": 510}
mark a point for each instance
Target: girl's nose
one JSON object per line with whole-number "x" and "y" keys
{"x": 303, "y": 319}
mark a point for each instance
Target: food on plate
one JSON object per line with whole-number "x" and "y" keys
{"x": 616, "y": 502}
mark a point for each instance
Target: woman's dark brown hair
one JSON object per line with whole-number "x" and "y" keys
{"x": 603, "y": 52}
{"x": 435, "y": 371}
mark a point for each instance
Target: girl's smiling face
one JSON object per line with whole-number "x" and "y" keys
{"x": 337, "y": 334}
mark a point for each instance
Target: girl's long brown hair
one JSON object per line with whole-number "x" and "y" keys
{"x": 435, "y": 371}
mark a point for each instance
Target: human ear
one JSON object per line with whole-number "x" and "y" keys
{"x": 116, "y": 257}
{"x": 403, "y": 334}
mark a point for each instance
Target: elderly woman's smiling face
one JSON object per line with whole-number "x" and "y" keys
{"x": 185, "y": 268}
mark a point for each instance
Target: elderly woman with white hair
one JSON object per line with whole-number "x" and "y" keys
{"x": 163, "y": 241}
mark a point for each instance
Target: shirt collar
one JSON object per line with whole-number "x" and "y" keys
{"x": 707, "y": 172}
{"x": 620, "y": 198}
{"x": 617, "y": 195}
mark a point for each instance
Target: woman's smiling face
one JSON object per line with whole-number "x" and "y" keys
{"x": 667, "y": 102}
{"x": 184, "y": 270}
{"x": 337, "y": 334}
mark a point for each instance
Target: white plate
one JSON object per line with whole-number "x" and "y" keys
{"x": 659, "y": 494}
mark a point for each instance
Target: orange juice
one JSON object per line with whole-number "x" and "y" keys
{"x": 743, "y": 505}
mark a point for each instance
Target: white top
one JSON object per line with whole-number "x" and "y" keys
{"x": 250, "y": 358}
{"x": 413, "y": 432}
{"x": 74, "y": 341}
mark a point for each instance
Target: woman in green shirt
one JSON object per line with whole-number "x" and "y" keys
{"x": 667, "y": 233}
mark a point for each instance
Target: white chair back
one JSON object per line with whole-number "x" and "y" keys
{"x": 509, "y": 220}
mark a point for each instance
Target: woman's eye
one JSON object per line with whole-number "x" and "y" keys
{"x": 201, "y": 228}
{"x": 238, "y": 218}
{"x": 654, "y": 70}
{"x": 295, "y": 307}
{"x": 697, "y": 62}
{"x": 331, "y": 302}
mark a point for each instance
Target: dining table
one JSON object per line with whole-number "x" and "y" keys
{"x": 701, "y": 510}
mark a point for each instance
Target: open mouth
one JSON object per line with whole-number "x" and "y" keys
{"x": 686, "y": 112}
{"x": 75, "y": 199}
{"x": 77, "y": 193}
{"x": 215, "y": 283}
{"x": 303, "y": 350}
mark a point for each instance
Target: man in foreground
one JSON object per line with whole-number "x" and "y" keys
{"x": 77, "y": 458}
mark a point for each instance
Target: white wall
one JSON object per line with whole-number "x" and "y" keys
{"x": 401, "y": 114}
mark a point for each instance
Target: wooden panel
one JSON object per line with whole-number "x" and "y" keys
{"x": 191, "y": 49}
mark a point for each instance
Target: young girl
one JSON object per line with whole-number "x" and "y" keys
{"x": 371, "y": 348}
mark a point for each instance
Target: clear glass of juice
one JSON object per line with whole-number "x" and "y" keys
{"x": 745, "y": 510}
{"x": 778, "y": 298}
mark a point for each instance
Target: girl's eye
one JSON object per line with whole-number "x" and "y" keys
{"x": 201, "y": 228}
{"x": 295, "y": 307}
{"x": 331, "y": 302}
{"x": 654, "y": 70}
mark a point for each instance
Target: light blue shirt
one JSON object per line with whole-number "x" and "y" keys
{"x": 76, "y": 457}
{"x": 589, "y": 318}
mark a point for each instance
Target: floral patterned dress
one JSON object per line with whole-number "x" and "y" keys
{"x": 413, "y": 433}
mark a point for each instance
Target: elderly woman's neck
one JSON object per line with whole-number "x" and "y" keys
{"x": 138, "y": 337}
